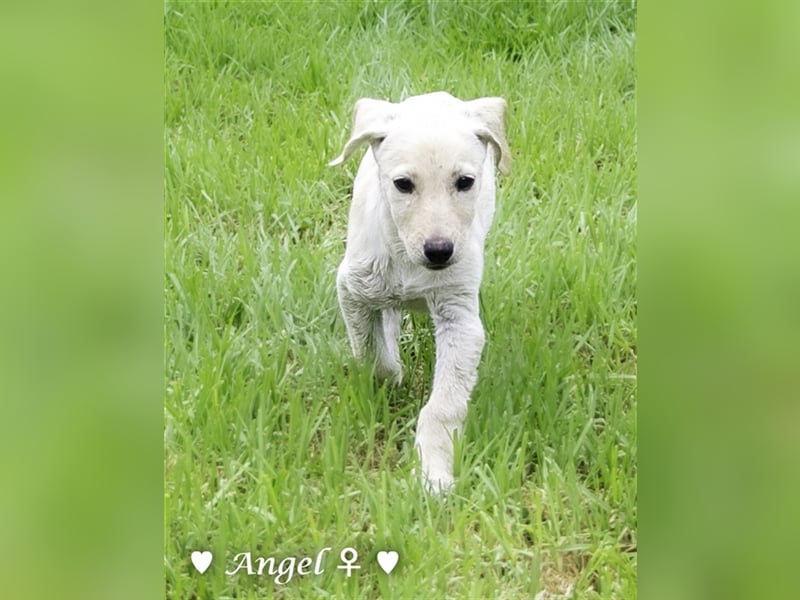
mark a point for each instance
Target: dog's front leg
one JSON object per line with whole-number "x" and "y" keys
{"x": 359, "y": 319}
{"x": 459, "y": 342}
{"x": 387, "y": 352}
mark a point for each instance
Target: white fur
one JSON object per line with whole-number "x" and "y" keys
{"x": 430, "y": 140}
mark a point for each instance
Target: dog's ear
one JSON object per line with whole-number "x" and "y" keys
{"x": 491, "y": 113}
{"x": 370, "y": 120}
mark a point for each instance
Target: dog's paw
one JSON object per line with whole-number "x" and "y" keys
{"x": 393, "y": 375}
{"x": 436, "y": 457}
{"x": 438, "y": 485}
{"x": 434, "y": 485}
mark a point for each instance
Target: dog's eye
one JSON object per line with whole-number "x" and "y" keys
{"x": 404, "y": 184}
{"x": 464, "y": 183}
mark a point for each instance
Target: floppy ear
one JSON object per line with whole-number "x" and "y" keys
{"x": 491, "y": 113}
{"x": 370, "y": 119}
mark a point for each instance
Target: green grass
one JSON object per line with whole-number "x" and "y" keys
{"x": 276, "y": 442}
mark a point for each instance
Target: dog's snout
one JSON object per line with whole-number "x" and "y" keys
{"x": 438, "y": 250}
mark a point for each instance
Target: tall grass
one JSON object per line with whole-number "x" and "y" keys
{"x": 276, "y": 441}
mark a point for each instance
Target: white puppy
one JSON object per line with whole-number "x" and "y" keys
{"x": 423, "y": 201}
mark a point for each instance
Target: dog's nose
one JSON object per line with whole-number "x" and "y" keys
{"x": 438, "y": 250}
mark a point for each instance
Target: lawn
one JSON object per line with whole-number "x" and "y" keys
{"x": 276, "y": 442}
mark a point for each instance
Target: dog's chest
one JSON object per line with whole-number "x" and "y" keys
{"x": 386, "y": 284}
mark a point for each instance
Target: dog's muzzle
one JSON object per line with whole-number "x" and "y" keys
{"x": 438, "y": 251}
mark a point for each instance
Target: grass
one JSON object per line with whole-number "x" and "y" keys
{"x": 276, "y": 442}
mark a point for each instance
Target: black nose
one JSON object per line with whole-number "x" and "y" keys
{"x": 438, "y": 250}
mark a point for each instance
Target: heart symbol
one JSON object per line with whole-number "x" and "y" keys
{"x": 387, "y": 560}
{"x": 201, "y": 560}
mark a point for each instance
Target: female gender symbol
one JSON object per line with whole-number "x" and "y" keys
{"x": 348, "y": 556}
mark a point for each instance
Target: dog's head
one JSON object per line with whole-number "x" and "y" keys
{"x": 436, "y": 157}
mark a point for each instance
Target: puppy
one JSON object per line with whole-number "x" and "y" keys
{"x": 423, "y": 201}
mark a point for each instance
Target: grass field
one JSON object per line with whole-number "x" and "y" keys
{"x": 278, "y": 444}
